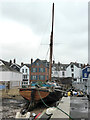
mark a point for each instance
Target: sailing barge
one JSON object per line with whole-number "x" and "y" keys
{"x": 36, "y": 94}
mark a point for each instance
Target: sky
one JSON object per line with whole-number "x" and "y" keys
{"x": 25, "y": 27}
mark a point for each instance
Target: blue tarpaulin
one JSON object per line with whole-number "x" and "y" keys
{"x": 2, "y": 87}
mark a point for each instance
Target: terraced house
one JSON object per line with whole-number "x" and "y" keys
{"x": 26, "y": 74}
{"x": 39, "y": 71}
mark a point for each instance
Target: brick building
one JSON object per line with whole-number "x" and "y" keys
{"x": 39, "y": 70}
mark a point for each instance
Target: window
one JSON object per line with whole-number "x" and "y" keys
{"x": 63, "y": 73}
{"x": 34, "y": 69}
{"x": 72, "y": 66}
{"x": 26, "y": 70}
{"x": 41, "y": 69}
{"x": 88, "y": 69}
{"x": 72, "y": 70}
{"x": 33, "y": 77}
{"x": 37, "y": 64}
{"x": 14, "y": 67}
{"x": 85, "y": 74}
{"x": 24, "y": 76}
{"x": 22, "y": 70}
{"x": 61, "y": 67}
{"x": 41, "y": 77}
{"x": 72, "y": 75}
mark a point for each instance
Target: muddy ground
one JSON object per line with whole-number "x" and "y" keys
{"x": 10, "y": 106}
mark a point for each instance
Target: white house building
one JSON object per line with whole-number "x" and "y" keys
{"x": 25, "y": 70}
{"x": 74, "y": 70}
{"x": 59, "y": 70}
{"x": 9, "y": 75}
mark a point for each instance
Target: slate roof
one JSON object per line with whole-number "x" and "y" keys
{"x": 76, "y": 64}
{"x": 28, "y": 65}
{"x": 59, "y": 66}
{"x": 44, "y": 62}
{"x": 6, "y": 66}
{"x": 15, "y": 64}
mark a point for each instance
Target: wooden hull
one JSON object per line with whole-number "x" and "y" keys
{"x": 36, "y": 94}
{"x": 26, "y": 93}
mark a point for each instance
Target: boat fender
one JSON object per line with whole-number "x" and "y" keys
{"x": 50, "y": 111}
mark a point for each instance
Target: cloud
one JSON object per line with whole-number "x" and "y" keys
{"x": 25, "y": 25}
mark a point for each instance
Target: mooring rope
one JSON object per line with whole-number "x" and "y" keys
{"x": 70, "y": 118}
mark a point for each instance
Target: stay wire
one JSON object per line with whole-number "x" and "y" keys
{"x": 47, "y": 54}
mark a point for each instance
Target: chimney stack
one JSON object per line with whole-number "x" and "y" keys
{"x": 31, "y": 60}
{"x": 21, "y": 63}
{"x": 53, "y": 62}
{"x": 10, "y": 62}
{"x": 14, "y": 61}
{"x": 58, "y": 63}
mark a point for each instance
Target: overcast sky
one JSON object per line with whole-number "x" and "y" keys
{"x": 26, "y": 25}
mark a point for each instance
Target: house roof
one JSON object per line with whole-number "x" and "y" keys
{"x": 86, "y": 67}
{"x": 5, "y": 62}
{"x": 6, "y": 66}
{"x": 44, "y": 62}
{"x": 28, "y": 65}
{"x": 15, "y": 65}
{"x": 79, "y": 65}
{"x": 59, "y": 66}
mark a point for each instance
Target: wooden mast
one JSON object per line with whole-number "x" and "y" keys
{"x": 51, "y": 45}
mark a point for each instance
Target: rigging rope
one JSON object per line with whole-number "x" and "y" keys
{"x": 47, "y": 54}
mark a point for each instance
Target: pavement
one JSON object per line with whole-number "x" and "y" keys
{"x": 63, "y": 105}
{"x": 78, "y": 108}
